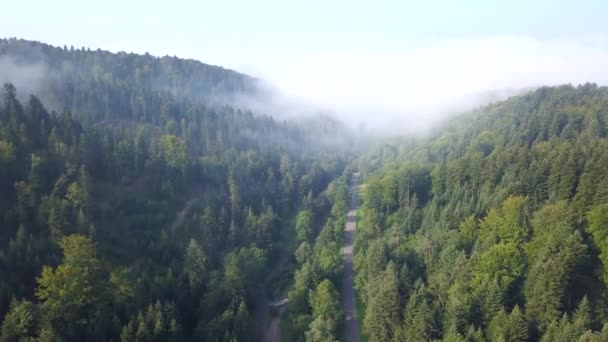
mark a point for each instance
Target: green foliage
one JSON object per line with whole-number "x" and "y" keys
{"x": 327, "y": 250}
{"x": 126, "y": 170}
{"x": 242, "y": 270}
{"x": 173, "y": 151}
{"x": 7, "y": 152}
{"x": 576, "y": 328}
{"x": 22, "y": 322}
{"x": 382, "y": 314}
{"x": 195, "y": 264}
{"x": 74, "y": 295}
{"x": 469, "y": 230}
{"x": 501, "y": 216}
{"x": 157, "y": 194}
{"x": 314, "y": 312}
{"x": 321, "y": 331}
{"x": 503, "y": 262}
{"x": 75, "y": 194}
{"x": 324, "y": 301}
{"x": 304, "y": 229}
{"x": 598, "y": 228}
{"x": 505, "y": 224}
{"x": 555, "y": 254}
{"x": 512, "y": 228}
{"x": 508, "y": 327}
{"x": 326, "y": 313}
{"x": 419, "y": 318}
{"x": 157, "y": 323}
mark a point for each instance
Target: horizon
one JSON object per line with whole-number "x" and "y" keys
{"x": 387, "y": 61}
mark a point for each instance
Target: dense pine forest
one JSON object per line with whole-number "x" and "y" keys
{"x": 142, "y": 200}
{"x": 492, "y": 229}
{"x": 137, "y": 211}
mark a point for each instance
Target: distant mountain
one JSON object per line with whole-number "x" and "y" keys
{"x": 99, "y": 83}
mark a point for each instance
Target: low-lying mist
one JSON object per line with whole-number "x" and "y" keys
{"x": 408, "y": 90}
{"x": 29, "y": 76}
{"x": 404, "y": 90}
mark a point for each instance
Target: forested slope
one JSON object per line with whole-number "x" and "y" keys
{"x": 97, "y": 84}
{"x": 141, "y": 202}
{"x": 493, "y": 228}
{"x": 89, "y": 245}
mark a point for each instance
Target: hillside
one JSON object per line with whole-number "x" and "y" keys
{"x": 139, "y": 208}
{"x": 106, "y": 85}
{"x": 493, "y": 228}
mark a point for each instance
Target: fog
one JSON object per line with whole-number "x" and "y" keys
{"x": 403, "y": 90}
{"x": 408, "y": 90}
{"x": 28, "y": 76}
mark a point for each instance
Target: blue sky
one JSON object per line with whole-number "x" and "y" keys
{"x": 400, "y": 56}
{"x": 199, "y": 28}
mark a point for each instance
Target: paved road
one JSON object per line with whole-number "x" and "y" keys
{"x": 348, "y": 290}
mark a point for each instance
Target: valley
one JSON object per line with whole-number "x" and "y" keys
{"x": 143, "y": 199}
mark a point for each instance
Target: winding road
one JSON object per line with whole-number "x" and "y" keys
{"x": 349, "y": 306}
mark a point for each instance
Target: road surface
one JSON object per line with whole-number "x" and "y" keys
{"x": 273, "y": 333}
{"x": 348, "y": 290}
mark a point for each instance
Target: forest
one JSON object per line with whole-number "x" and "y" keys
{"x": 142, "y": 201}
{"x": 493, "y": 228}
{"x": 140, "y": 213}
